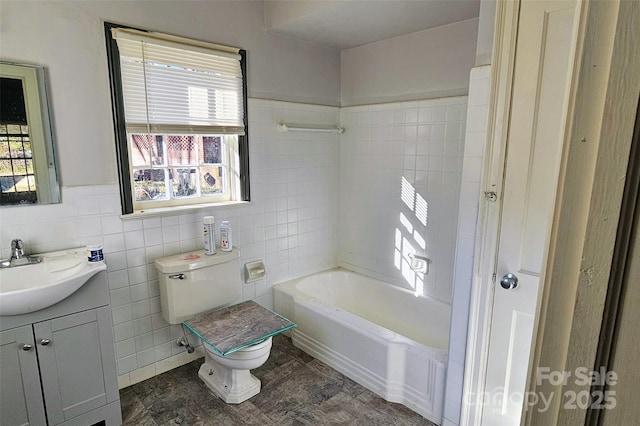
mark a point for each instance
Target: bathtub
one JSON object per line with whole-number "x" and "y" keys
{"x": 380, "y": 335}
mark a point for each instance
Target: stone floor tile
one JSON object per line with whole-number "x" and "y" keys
{"x": 296, "y": 390}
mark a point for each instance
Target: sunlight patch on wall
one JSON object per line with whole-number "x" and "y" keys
{"x": 407, "y": 224}
{"x": 408, "y": 274}
{"x": 419, "y": 286}
{"x": 407, "y": 193}
{"x": 421, "y": 242}
{"x": 403, "y": 246}
{"x": 422, "y": 209}
{"x": 407, "y": 248}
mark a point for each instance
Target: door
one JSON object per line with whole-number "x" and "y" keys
{"x": 74, "y": 351}
{"x": 20, "y": 393}
{"x": 540, "y": 90}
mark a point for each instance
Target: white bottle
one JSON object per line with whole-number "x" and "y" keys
{"x": 209, "y": 235}
{"x": 225, "y": 236}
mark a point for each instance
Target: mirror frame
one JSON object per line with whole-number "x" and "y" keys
{"x": 40, "y": 130}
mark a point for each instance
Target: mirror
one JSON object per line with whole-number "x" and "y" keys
{"x": 27, "y": 162}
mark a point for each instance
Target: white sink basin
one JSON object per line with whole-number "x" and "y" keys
{"x": 29, "y": 288}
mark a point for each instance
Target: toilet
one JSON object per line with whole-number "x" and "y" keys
{"x": 193, "y": 284}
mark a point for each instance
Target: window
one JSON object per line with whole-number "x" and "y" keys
{"x": 180, "y": 117}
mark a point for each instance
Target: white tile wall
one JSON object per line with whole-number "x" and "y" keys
{"x": 400, "y": 174}
{"x": 292, "y": 219}
{"x": 475, "y": 141}
{"x": 290, "y": 224}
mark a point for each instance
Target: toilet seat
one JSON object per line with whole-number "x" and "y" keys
{"x": 245, "y": 355}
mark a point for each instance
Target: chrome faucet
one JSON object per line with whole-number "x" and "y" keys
{"x": 17, "y": 249}
{"x": 18, "y": 256}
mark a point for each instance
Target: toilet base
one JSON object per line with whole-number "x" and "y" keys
{"x": 228, "y": 377}
{"x": 231, "y": 385}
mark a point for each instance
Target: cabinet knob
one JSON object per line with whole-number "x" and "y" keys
{"x": 45, "y": 342}
{"x": 26, "y": 347}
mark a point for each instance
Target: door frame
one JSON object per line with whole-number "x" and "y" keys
{"x": 487, "y": 227}
{"x": 595, "y": 94}
{"x": 624, "y": 271}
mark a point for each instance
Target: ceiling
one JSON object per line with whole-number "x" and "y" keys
{"x": 343, "y": 24}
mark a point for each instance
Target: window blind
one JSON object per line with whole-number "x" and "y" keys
{"x": 171, "y": 87}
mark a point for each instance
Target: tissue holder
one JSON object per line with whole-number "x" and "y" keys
{"x": 253, "y": 271}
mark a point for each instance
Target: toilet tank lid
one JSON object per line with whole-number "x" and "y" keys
{"x": 194, "y": 260}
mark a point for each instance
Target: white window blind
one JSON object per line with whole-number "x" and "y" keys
{"x": 173, "y": 87}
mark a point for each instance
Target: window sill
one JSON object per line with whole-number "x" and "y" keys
{"x": 175, "y": 210}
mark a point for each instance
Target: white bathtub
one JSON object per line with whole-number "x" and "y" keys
{"x": 379, "y": 335}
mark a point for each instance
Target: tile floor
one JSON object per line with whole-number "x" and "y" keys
{"x": 296, "y": 390}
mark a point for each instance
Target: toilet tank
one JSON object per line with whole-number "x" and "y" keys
{"x": 194, "y": 283}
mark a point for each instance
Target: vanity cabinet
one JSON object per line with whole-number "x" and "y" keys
{"x": 61, "y": 370}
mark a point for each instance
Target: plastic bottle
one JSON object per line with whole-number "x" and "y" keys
{"x": 209, "y": 235}
{"x": 225, "y": 236}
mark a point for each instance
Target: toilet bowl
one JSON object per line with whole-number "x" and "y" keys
{"x": 192, "y": 284}
{"x": 228, "y": 376}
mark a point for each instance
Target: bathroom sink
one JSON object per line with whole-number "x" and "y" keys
{"x": 29, "y": 288}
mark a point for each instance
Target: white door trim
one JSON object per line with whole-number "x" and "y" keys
{"x": 480, "y": 307}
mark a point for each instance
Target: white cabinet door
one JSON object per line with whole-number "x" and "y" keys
{"x": 20, "y": 393}
{"x": 76, "y": 363}
{"x": 541, "y": 81}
